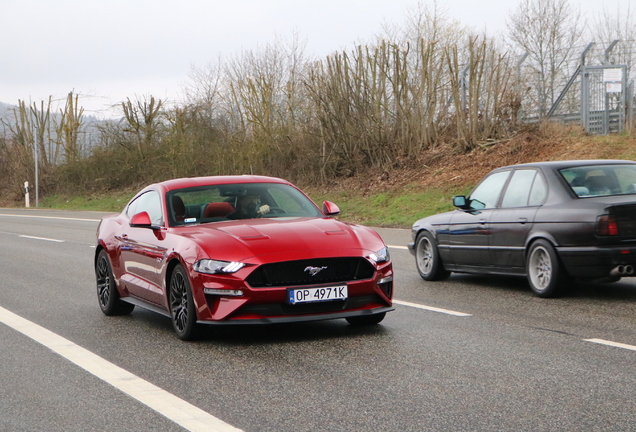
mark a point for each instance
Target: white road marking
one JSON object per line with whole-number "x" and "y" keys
{"x": 398, "y": 247}
{"x": 613, "y": 344}
{"x": 431, "y": 308}
{"x": 50, "y": 217}
{"x": 41, "y": 238}
{"x": 177, "y": 410}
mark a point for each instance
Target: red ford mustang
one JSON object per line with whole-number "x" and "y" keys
{"x": 239, "y": 250}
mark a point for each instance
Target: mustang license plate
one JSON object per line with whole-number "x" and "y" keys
{"x": 306, "y": 295}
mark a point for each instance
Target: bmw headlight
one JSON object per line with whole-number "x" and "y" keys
{"x": 209, "y": 266}
{"x": 381, "y": 256}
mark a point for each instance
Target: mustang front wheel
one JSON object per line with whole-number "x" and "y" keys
{"x": 107, "y": 294}
{"x": 182, "y": 310}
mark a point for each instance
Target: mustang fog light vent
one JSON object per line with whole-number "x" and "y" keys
{"x": 386, "y": 285}
{"x": 222, "y": 292}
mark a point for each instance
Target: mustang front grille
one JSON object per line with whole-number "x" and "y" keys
{"x": 311, "y": 272}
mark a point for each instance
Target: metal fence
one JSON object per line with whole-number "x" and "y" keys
{"x": 599, "y": 97}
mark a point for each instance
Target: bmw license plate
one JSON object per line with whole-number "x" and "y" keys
{"x": 306, "y": 295}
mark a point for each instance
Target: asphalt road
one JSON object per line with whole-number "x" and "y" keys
{"x": 472, "y": 354}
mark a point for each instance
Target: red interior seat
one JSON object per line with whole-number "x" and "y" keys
{"x": 218, "y": 209}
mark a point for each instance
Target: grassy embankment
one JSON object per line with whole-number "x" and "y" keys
{"x": 412, "y": 194}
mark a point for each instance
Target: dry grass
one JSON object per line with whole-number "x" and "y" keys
{"x": 440, "y": 168}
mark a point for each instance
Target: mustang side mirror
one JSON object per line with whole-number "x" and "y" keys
{"x": 141, "y": 220}
{"x": 460, "y": 201}
{"x": 330, "y": 209}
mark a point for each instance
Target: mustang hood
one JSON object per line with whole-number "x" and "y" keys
{"x": 294, "y": 238}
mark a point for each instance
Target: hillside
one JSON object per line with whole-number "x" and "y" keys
{"x": 441, "y": 168}
{"x": 397, "y": 197}
{"x": 426, "y": 187}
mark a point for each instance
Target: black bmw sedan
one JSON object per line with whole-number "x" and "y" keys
{"x": 549, "y": 221}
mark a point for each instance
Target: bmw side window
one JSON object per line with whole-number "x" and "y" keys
{"x": 487, "y": 193}
{"x": 151, "y": 204}
{"x": 526, "y": 188}
{"x": 539, "y": 191}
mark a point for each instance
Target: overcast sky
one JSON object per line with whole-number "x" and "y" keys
{"x": 108, "y": 50}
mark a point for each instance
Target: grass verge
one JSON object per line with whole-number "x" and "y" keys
{"x": 107, "y": 202}
{"x": 395, "y": 209}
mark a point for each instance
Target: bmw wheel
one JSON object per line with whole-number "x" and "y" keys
{"x": 107, "y": 294}
{"x": 182, "y": 310}
{"x": 545, "y": 274}
{"x": 427, "y": 259}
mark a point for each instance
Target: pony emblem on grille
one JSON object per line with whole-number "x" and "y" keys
{"x": 313, "y": 271}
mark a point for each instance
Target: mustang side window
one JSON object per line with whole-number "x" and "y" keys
{"x": 486, "y": 194}
{"x": 150, "y": 203}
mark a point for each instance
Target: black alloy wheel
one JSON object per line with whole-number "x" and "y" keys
{"x": 182, "y": 310}
{"x": 107, "y": 294}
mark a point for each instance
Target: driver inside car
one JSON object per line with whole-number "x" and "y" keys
{"x": 249, "y": 206}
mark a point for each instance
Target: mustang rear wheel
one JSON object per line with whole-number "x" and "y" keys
{"x": 182, "y": 310}
{"x": 427, "y": 259}
{"x": 107, "y": 294}
{"x": 366, "y": 319}
{"x": 545, "y": 274}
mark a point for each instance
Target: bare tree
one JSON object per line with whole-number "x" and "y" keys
{"x": 549, "y": 32}
{"x": 618, "y": 25}
{"x": 204, "y": 87}
{"x": 68, "y": 128}
{"x": 143, "y": 121}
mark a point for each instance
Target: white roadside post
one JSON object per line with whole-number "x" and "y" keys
{"x": 26, "y": 194}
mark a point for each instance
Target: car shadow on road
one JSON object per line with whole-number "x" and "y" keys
{"x": 623, "y": 290}
{"x": 289, "y": 333}
{"x": 142, "y": 321}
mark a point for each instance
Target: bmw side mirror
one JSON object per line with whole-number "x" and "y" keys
{"x": 330, "y": 209}
{"x": 460, "y": 201}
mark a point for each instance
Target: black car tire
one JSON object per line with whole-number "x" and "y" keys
{"x": 366, "y": 319}
{"x": 107, "y": 294}
{"x": 545, "y": 274}
{"x": 427, "y": 259}
{"x": 182, "y": 310}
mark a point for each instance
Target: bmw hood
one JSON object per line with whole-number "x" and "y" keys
{"x": 283, "y": 239}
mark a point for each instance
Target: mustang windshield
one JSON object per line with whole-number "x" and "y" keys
{"x": 601, "y": 180}
{"x": 217, "y": 203}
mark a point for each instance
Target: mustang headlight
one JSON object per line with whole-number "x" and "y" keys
{"x": 209, "y": 266}
{"x": 381, "y": 256}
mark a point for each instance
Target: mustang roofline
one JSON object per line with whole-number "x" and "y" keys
{"x": 187, "y": 182}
